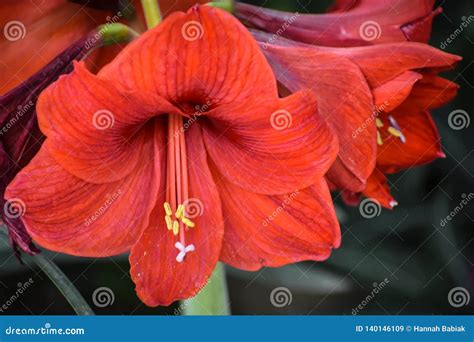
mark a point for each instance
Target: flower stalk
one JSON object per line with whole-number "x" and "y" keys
{"x": 59, "y": 279}
{"x": 213, "y": 300}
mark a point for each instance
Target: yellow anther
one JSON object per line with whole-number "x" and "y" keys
{"x": 168, "y": 210}
{"x": 179, "y": 211}
{"x": 378, "y": 123}
{"x": 379, "y": 138}
{"x": 175, "y": 228}
{"x": 169, "y": 223}
{"x": 188, "y": 222}
{"x": 395, "y": 132}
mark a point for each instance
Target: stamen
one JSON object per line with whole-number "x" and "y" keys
{"x": 179, "y": 211}
{"x": 396, "y": 130}
{"x": 168, "y": 209}
{"x": 188, "y": 222}
{"x": 177, "y": 185}
{"x": 169, "y": 223}
{"x": 378, "y": 123}
{"x": 379, "y": 138}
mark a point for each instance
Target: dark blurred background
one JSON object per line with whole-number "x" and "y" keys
{"x": 408, "y": 255}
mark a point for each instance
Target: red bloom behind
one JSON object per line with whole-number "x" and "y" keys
{"x": 399, "y": 80}
{"x": 352, "y": 22}
{"x": 180, "y": 121}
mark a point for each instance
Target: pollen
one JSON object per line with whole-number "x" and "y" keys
{"x": 169, "y": 223}
{"x": 180, "y": 211}
{"x": 168, "y": 210}
{"x": 175, "y": 228}
{"x": 188, "y": 222}
{"x": 395, "y": 132}
{"x": 378, "y": 123}
{"x": 379, "y": 138}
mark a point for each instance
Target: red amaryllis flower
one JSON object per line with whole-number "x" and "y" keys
{"x": 187, "y": 117}
{"x": 403, "y": 83}
{"x": 352, "y": 22}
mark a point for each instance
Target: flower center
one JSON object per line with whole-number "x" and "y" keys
{"x": 393, "y": 129}
{"x": 177, "y": 189}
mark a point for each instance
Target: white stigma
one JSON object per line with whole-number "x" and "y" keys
{"x": 183, "y": 250}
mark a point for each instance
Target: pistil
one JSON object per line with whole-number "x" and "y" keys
{"x": 177, "y": 188}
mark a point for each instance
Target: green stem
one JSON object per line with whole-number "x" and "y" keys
{"x": 152, "y": 12}
{"x": 226, "y": 5}
{"x": 62, "y": 282}
{"x": 116, "y": 33}
{"x": 213, "y": 300}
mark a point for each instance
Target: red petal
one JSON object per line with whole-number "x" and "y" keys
{"x": 49, "y": 27}
{"x": 159, "y": 278}
{"x": 344, "y": 100}
{"x": 211, "y": 50}
{"x": 93, "y": 130}
{"x": 284, "y": 229}
{"x": 271, "y": 146}
{"x": 392, "y": 94}
{"x": 379, "y": 190}
{"x": 422, "y": 140}
{"x": 68, "y": 215}
{"x": 382, "y": 63}
{"x": 367, "y": 22}
{"x": 432, "y": 92}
